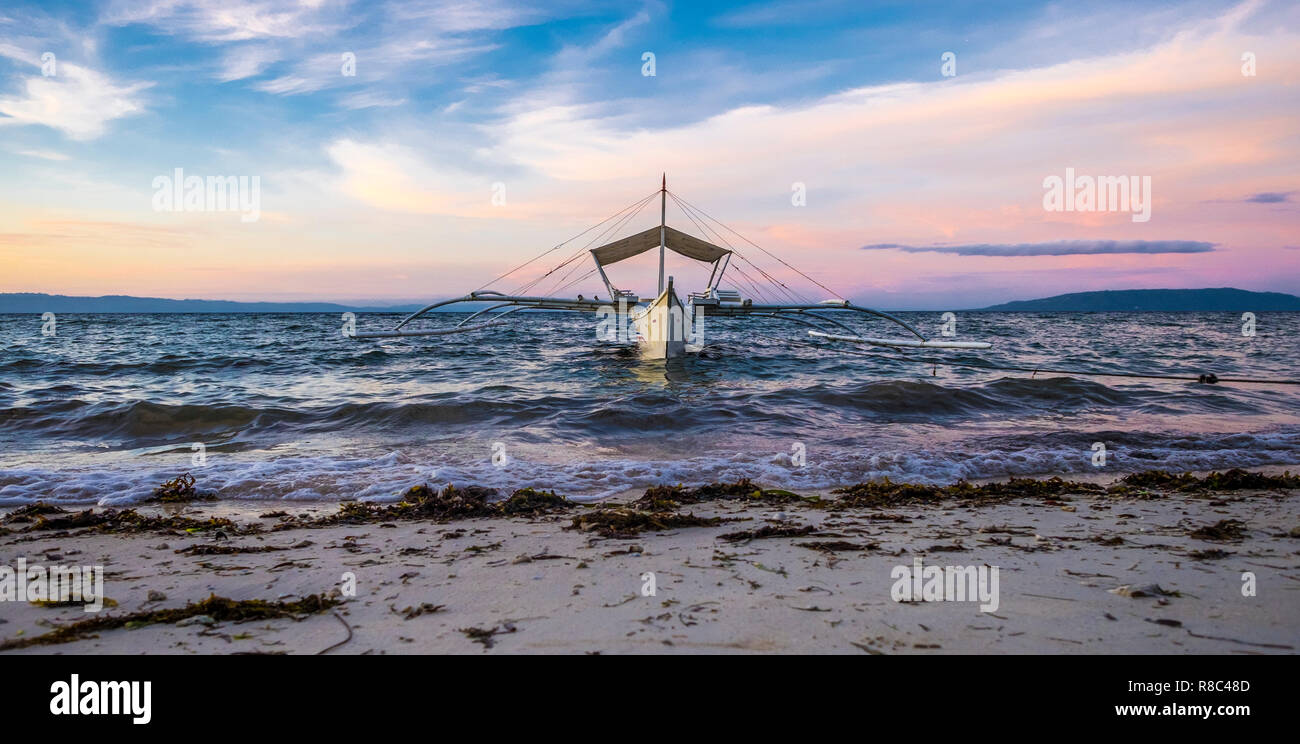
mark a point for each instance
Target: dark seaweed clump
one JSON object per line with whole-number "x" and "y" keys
{"x": 30, "y": 512}
{"x": 531, "y": 501}
{"x": 422, "y": 502}
{"x": 220, "y": 609}
{"x": 886, "y": 493}
{"x": 44, "y": 517}
{"x": 487, "y": 636}
{"x": 769, "y": 531}
{"x": 213, "y": 549}
{"x": 1235, "y": 479}
{"x": 1224, "y": 529}
{"x": 668, "y": 498}
{"x": 1209, "y": 555}
{"x": 180, "y": 490}
{"x": 628, "y": 523}
{"x": 835, "y": 546}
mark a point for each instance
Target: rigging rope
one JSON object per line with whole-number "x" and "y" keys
{"x": 761, "y": 248}
{"x": 754, "y": 287}
{"x": 790, "y": 293}
{"x": 631, "y": 211}
{"x": 570, "y": 240}
{"x": 691, "y": 217}
{"x": 577, "y": 281}
{"x": 636, "y": 209}
{"x": 612, "y": 230}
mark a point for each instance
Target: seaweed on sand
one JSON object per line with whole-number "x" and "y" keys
{"x": 1235, "y": 479}
{"x": 485, "y": 636}
{"x": 886, "y": 493}
{"x": 208, "y": 549}
{"x": 835, "y": 546}
{"x": 30, "y": 512}
{"x": 1213, "y": 554}
{"x": 1224, "y": 529}
{"x": 423, "y": 501}
{"x": 126, "y": 520}
{"x": 220, "y": 609}
{"x": 668, "y": 498}
{"x": 412, "y": 612}
{"x": 452, "y": 502}
{"x": 1152, "y": 480}
{"x": 180, "y": 490}
{"x": 532, "y": 501}
{"x": 769, "y": 531}
{"x": 628, "y": 523}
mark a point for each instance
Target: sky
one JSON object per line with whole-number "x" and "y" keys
{"x": 901, "y": 154}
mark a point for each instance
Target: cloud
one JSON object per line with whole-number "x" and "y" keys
{"x": 923, "y": 139}
{"x": 394, "y": 43}
{"x": 579, "y": 70}
{"x": 392, "y": 64}
{"x": 246, "y": 61}
{"x": 43, "y": 154}
{"x": 936, "y": 166}
{"x": 78, "y": 101}
{"x": 485, "y": 83}
{"x": 1057, "y": 248}
{"x": 369, "y": 99}
{"x": 457, "y": 16}
{"x": 290, "y": 85}
{"x": 234, "y": 20}
{"x": 394, "y": 178}
{"x": 1269, "y": 197}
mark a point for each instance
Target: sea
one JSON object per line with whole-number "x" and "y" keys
{"x": 285, "y": 408}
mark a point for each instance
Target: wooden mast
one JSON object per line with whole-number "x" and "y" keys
{"x": 663, "y": 214}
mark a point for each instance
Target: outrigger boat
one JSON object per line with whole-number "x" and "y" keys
{"x": 666, "y": 327}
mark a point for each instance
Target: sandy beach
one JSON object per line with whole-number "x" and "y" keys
{"x": 1129, "y": 570}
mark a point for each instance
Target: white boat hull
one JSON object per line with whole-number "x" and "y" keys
{"x": 661, "y": 327}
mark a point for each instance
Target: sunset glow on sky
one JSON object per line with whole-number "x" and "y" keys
{"x": 922, "y": 189}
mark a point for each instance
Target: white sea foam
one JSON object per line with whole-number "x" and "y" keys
{"x": 385, "y": 476}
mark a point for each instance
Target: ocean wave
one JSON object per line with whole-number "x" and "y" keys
{"x": 62, "y": 414}
{"x": 289, "y": 409}
{"x": 383, "y": 477}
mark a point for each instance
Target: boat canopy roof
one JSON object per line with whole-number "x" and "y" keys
{"x": 674, "y": 240}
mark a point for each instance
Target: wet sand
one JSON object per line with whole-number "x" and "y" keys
{"x": 529, "y": 585}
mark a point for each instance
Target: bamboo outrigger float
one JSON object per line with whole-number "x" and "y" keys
{"x": 666, "y": 327}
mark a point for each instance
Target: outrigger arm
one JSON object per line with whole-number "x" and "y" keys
{"x": 515, "y": 303}
{"x": 786, "y": 312}
{"x": 809, "y": 315}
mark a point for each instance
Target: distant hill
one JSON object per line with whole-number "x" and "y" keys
{"x": 25, "y": 302}
{"x": 1156, "y": 300}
